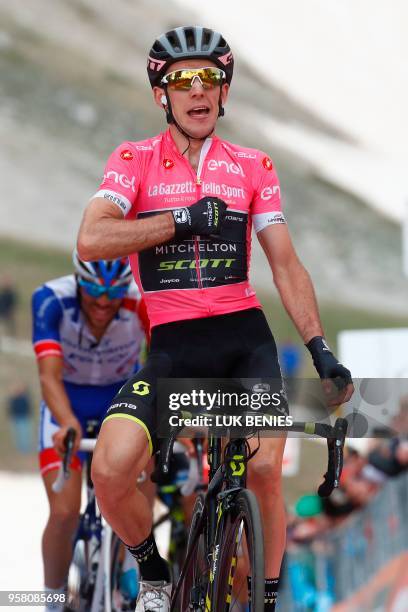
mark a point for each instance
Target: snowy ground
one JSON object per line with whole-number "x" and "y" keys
{"x": 23, "y": 514}
{"x": 22, "y": 518}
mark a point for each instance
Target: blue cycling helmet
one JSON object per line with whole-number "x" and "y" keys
{"x": 108, "y": 273}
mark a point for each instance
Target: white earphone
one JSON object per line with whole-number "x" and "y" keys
{"x": 163, "y": 100}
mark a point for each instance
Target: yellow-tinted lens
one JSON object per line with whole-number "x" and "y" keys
{"x": 181, "y": 79}
{"x": 184, "y": 79}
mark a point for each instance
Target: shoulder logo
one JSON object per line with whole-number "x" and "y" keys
{"x": 126, "y": 155}
{"x": 268, "y": 192}
{"x": 141, "y": 387}
{"x": 168, "y": 163}
{"x": 267, "y": 163}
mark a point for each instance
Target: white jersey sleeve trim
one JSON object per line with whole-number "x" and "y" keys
{"x": 117, "y": 198}
{"x": 262, "y": 220}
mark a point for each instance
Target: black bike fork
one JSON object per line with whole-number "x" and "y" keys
{"x": 235, "y": 463}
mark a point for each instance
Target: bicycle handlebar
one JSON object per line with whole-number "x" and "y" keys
{"x": 87, "y": 445}
{"x": 334, "y": 434}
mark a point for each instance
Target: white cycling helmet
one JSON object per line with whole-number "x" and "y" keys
{"x": 108, "y": 273}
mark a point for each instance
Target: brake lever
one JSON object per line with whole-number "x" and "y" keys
{"x": 64, "y": 471}
{"x": 164, "y": 454}
{"x": 163, "y": 459}
{"x": 69, "y": 447}
{"x": 335, "y": 446}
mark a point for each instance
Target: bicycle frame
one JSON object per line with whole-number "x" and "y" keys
{"x": 231, "y": 464}
{"x": 228, "y": 477}
{"x": 227, "y": 467}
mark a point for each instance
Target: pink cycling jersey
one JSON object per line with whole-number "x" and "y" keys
{"x": 199, "y": 276}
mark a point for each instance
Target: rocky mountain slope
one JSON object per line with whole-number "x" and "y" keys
{"x": 73, "y": 86}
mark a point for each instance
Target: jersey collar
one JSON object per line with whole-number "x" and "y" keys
{"x": 169, "y": 141}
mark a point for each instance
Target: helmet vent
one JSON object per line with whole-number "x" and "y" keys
{"x": 83, "y": 266}
{"x": 222, "y": 43}
{"x": 174, "y": 41}
{"x": 190, "y": 39}
{"x": 207, "y": 36}
{"x": 158, "y": 47}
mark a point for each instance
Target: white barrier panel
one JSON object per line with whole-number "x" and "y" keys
{"x": 375, "y": 353}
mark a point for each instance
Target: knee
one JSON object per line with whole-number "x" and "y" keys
{"x": 108, "y": 481}
{"x": 64, "y": 518}
{"x": 113, "y": 478}
{"x": 265, "y": 476}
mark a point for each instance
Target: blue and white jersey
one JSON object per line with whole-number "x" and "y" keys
{"x": 59, "y": 328}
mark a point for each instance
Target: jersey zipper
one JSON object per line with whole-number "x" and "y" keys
{"x": 197, "y": 261}
{"x": 203, "y": 154}
{"x": 197, "y": 179}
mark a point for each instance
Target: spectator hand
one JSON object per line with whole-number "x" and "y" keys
{"x": 205, "y": 218}
{"x": 336, "y": 379}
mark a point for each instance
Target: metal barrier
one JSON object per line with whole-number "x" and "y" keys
{"x": 343, "y": 560}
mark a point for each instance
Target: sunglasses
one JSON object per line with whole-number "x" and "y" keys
{"x": 183, "y": 79}
{"x": 97, "y": 291}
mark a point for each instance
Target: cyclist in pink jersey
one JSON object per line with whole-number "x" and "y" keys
{"x": 197, "y": 277}
{"x": 182, "y": 205}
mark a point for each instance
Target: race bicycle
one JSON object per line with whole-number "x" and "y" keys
{"x": 94, "y": 579}
{"x": 225, "y": 543}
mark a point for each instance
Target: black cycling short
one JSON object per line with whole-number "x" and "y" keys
{"x": 237, "y": 345}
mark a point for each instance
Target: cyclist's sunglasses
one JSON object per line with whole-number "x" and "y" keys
{"x": 183, "y": 79}
{"x": 97, "y": 291}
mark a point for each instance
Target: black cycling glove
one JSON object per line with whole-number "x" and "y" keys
{"x": 205, "y": 217}
{"x": 326, "y": 363}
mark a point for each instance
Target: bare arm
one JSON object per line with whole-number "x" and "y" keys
{"x": 297, "y": 294}
{"x": 54, "y": 395}
{"x": 292, "y": 281}
{"x": 105, "y": 234}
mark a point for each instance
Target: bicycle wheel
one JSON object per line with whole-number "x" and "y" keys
{"x": 79, "y": 591}
{"x": 178, "y": 542}
{"x": 191, "y": 589}
{"x": 116, "y": 570}
{"x": 239, "y": 548}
